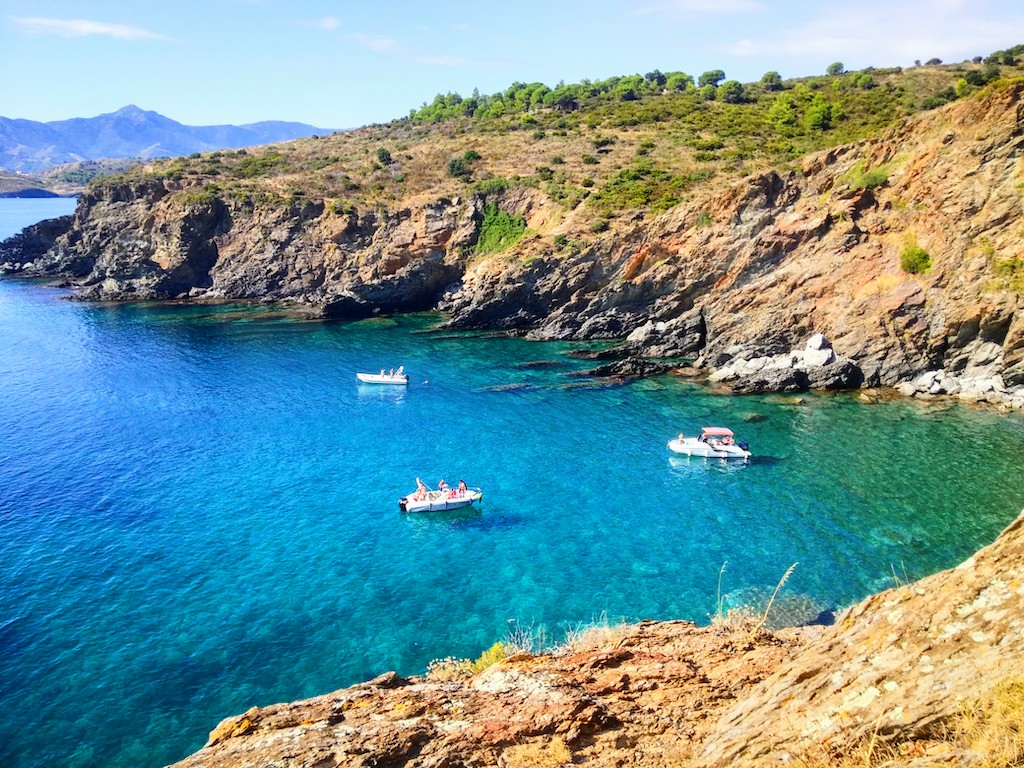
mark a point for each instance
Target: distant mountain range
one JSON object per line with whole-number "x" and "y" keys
{"x": 28, "y": 146}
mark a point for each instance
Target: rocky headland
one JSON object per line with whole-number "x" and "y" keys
{"x": 898, "y": 668}
{"x": 783, "y": 281}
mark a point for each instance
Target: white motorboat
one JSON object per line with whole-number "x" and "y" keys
{"x": 712, "y": 443}
{"x": 383, "y": 378}
{"x": 440, "y": 501}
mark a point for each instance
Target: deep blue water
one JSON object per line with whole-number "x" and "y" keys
{"x": 198, "y": 509}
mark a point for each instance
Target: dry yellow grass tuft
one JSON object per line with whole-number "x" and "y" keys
{"x": 993, "y": 727}
{"x": 589, "y": 637}
{"x": 987, "y": 733}
{"x": 551, "y": 755}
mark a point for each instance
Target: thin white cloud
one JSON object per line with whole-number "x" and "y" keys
{"x": 691, "y": 7}
{"x": 887, "y": 34}
{"x": 443, "y": 61}
{"x": 85, "y": 28}
{"x": 329, "y": 23}
{"x": 391, "y": 47}
{"x": 378, "y": 43}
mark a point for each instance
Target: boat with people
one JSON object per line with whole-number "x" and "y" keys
{"x": 441, "y": 500}
{"x": 392, "y": 377}
{"x": 711, "y": 443}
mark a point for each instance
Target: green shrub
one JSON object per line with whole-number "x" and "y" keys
{"x": 457, "y": 168}
{"x": 492, "y": 186}
{"x": 384, "y": 156}
{"x": 492, "y": 655}
{"x": 859, "y": 178}
{"x": 639, "y": 187}
{"x": 1010, "y": 274}
{"x": 561, "y": 241}
{"x": 914, "y": 259}
{"x": 251, "y": 167}
{"x": 470, "y": 155}
{"x": 499, "y": 230}
{"x": 590, "y": 160}
{"x": 199, "y": 198}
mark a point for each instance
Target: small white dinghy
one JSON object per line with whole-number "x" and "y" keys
{"x": 713, "y": 443}
{"x": 398, "y": 377}
{"x": 441, "y": 500}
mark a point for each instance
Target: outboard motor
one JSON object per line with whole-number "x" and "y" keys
{"x": 744, "y": 445}
{"x": 401, "y": 504}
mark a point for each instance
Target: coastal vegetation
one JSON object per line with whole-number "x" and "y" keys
{"x": 914, "y": 259}
{"x": 606, "y": 151}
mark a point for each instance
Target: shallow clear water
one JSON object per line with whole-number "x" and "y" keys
{"x": 198, "y": 509}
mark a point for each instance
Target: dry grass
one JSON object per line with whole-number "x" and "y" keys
{"x": 993, "y": 727}
{"x": 768, "y": 609}
{"x": 589, "y": 637}
{"x": 743, "y": 618}
{"x": 987, "y": 733}
{"x": 551, "y": 755}
{"x": 459, "y": 669}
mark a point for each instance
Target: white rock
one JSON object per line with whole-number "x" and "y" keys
{"x": 722, "y": 374}
{"x": 985, "y": 358}
{"x": 641, "y": 334}
{"x": 817, "y": 356}
{"x": 818, "y": 342}
{"x": 907, "y": 388}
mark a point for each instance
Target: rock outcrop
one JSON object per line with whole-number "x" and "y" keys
{"x": 735, "y": 279}
{"x": 895, "y": 666}
{"x": 640, "y": 695}
{"x": 19, "y": 253}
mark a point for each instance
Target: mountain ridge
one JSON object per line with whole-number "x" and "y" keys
{"x": 28, "y": 146}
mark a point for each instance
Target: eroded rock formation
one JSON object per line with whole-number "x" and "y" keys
{"x": 728, "y": 278}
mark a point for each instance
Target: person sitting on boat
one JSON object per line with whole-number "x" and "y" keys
{"x": 421, "y": 490}
{"x": 462, "y": 486}
{"x": 442, "y": 486}
{"x": 381, "y": 371}
{"x": 392, "y": 373}
{"x": 681, "y": 437}
{"x": 400, "y": 370}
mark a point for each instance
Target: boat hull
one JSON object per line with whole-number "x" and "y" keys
{"x": 440, "y": 501}
{"x": 376, "y": 378}
{"x": 691, "y": 446}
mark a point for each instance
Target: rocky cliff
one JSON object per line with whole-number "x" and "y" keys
{"x": 903, "y": 252}
{"x": 896, "y": 666}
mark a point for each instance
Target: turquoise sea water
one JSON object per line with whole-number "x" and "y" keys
{"x": 198, "y": 509}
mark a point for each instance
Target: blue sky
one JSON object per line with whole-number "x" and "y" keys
{"x": 342, "y": 64}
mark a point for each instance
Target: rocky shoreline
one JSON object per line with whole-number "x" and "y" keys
{"x": 782, "y": 282}
{"x": 899, "y": 665}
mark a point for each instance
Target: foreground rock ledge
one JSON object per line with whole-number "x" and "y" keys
{"x": 672, "y": 693}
